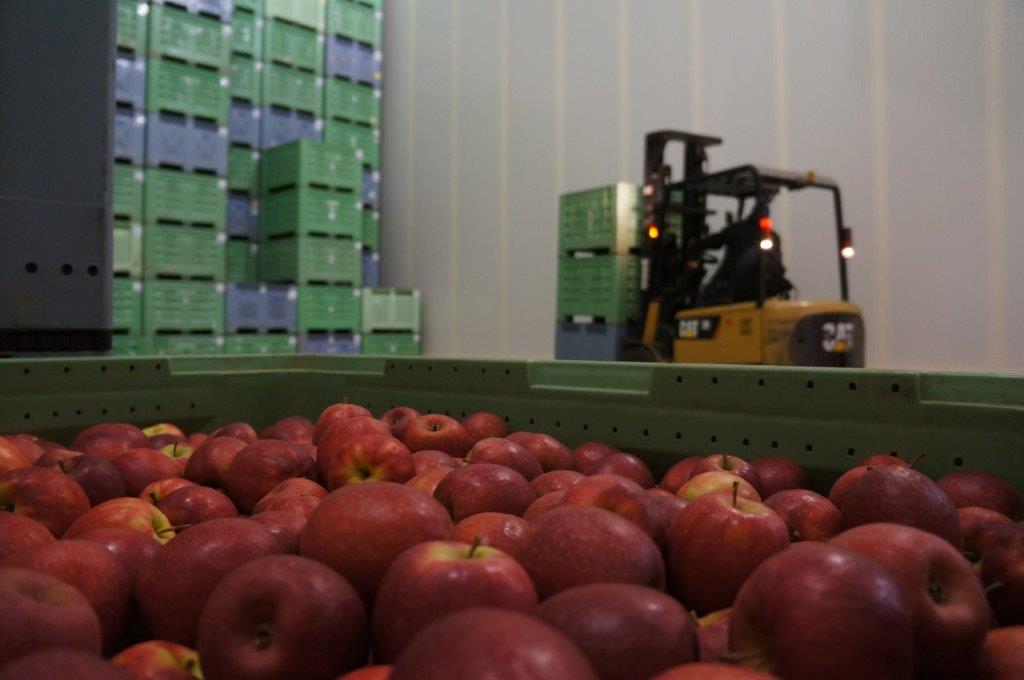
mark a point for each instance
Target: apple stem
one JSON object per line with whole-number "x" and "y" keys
{"x": 153, "y": 498}
{"x": 62, "y": 465}
{"x": 176, "y": 527}
{"x": 735, "y": 492}
{"x": 473, "y": 546}
{"x": 915, "y": 461}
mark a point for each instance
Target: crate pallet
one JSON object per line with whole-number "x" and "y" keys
{"x": 371, "y": 229}
{"x": 365, "y": 140}
{"x": 129, "y": 135}
{"x": 371, "y": 189}
{"x": 255, "y": 6}
{"x": 391, "y": 344}
{"x": 293, "y": 45}
{"x": 371, "y": 269}
{"x": 329, "y": 343}
{"x": 328, "y": 309}
{"x": 243, "y": 215}
{"x": 187, "y": 89}
{"x": 245, "y": 79}
{"x": 308, "y": 13}
{"x": 130, "y": 79}
{"x": 183, "y": 252}
{"x": 311, "y": 260}
{"x": 310, "y": 210}
{"x": 128, "y": 191}
{"x": 182, "y": 306}
{"x": 188, "y": 36}
{"x": 185, "y": 343}
{"x": 354, "y": 20}
{"x": 244, "y": 124}
{"x": 292, "y": 88}
{"x": 598, "y": 288}
{"x": 259, "y": 308}
{"x": 279, "y": 126}
{"x": 352, "y": 102}
{"x": 390, "y": 309}
{"x": 309, "y": 163}
{"x": 131, "y": 24}
{"x": 127, "y": 304}
{"x": 242, "y": 169}
{"x": 260, "y": 343}
{"x": 240, "y": 260}
{"x": 346, "y": 58}
{"x": 127, "y": 249}
{"x": 186, "y": 143}
{"x": 175, "y": 197}
{"x": 590, "y": 341}
{"x": 603, "y": 219}
{"x": 246, "y": 32}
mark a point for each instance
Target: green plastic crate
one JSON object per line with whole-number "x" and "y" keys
{"x": 187, "y": 343}
{"x": 246, "y": 32}
{"x": 350, "y": 101}
{"x": 129, "y": 344}
{"x": 240, "y": 260}
{"x": 187, "y": 36}
{"x": 127, "y": 304}
{"x": 293, "y": 45}
{"x": 365, "y": 140}
{"x": 371, "y": 229}
{"x": 391, "y": 344}
{"x": 182, "y": 306}
{"x": 311, "y": 259}
{"x": 310, "y": 210}
{"x": 128, "y": 183}
{"x": 324, "y": 309}
{"x": 255, "y": 6}
{"x": 245, "y": 78}
{"x": 131, "y": 25}
{"x": 293, "y": 88}
{"x": 259, "y": 343}
{"x": 183, "y": 251}
{"x": 309, "y": 163}
{"x": 389, "y": 309}
{"x": 243, "y": 173}
{"x": 309, "y": 13}
{"x": 601, "y": 287}
{"x": 178, "y": 197}
{"x": 353, "y": 20}
{"x": 598, "y": 219}
{"x": 187, "y": 89}
{"x": 127, "y": 248}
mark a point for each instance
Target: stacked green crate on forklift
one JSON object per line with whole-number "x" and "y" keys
{"x": 601, "y": 220}
{"x": 599, "y": 288}
{"x": 390, "y": 321}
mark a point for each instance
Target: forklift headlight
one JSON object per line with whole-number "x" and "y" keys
{"x": 766, "y": 244}
{"x": 847, "y": 252}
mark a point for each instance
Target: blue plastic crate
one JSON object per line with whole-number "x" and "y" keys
{"x": 366, "y": 67}
{"x": 209, "y": 149}
{"x": 243, "y": 216}
{"x": 279, "y": 308}
{"x": 279, "y": 126}
{"x": 130, "y": 79}
{"x": 371, "y": 188}
{"x": 341, "y": 57}
{"x": 186, "y": 143}
{"x": 590, "y": 342}
{"x": 129, "y": 135}
{"x": 243, "y": 307}
{"x": 330, "y": 343}
{"x": 371, "y": 270}
{"x": 244, "y": 124}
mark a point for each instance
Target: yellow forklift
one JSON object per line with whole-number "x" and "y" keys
{"x": 745, "y": 312}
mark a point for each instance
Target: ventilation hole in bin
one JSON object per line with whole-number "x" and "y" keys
{"x": 895, "y": 388}
{"x": 429, "y": 368}
{"x": 810, "y": 384}
{"x": 25, "y": 371}
{"x": 157, "y": 407}
{"x": 808, "y": 448}
{"x": 958, "y": 462}
{"x": 55, "y": 414}
{"x": 679, "y": 378}
{"x": 746, "y": 441}
{"x": 850, "y": 451}
{"x": 647, "y": 433}
{"x": 103, "y": 369}
{"x": 714, "y": 439}
{"x": 775, "y": 445}
{"x": 131, "y": 409}
{"x": 531, "y": 421}
{"x": 455, "y": 369}
{"x": 586, "y": 427}
{"x": 78, "y": 411}
{"x": 463, "y": 414}
{"x": 508, "y": 372}
{"x": 66, "y": 269}
{"x": 28, "y": 416}
{"x": 31, "y": 267}
{"x": 615, "y": 429}
{"x": 103, "y": 411}
{"x": 483, "y": 370}
{"x": 67, "y": 369}
{"x": 558, "y": 423}
{"x": 192, "y": 406}
{"x": 714, "y": 380}
{"x": 131, "y": 367}
{"x": 853, "y": 387}
{"x": 156, "y": 366}
{"x": 760, "y": 382}
{"x": 679, "y": 435}
{"x": 93, "y": 270}
{"x": 507, "y": 419}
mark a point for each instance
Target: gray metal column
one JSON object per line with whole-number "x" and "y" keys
{"x": 56, "y": 111}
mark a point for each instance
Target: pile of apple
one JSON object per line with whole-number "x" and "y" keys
{"x": 420, "y": 547}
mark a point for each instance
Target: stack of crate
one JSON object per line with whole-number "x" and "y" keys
{"x": 309, "y": 230}
{"x": 390, "y": 321}
{"x": 598, "y": 272}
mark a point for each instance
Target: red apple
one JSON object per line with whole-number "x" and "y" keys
{"x": 282, "y": 616}
{"x": 587, "y": 452}
{"x": 842, "y": 486}
{"x": 491, "y": 643}
{"x": 296, "y": 505}
{"x": 778, "y": 474}
{"x": 626, "y": 631}
{"x": 130, "y": 547}
{"x": 29, "y": 445}
{"x": 734, "y": 464}
{"x": 575, "y": 545}
{"x": 483, "y": 488}
{"x": 1002, "y": 657}
{"x": 818, "y": 610}
{"x": 107, "y": 440}
{"x": 624, "y": 464}
{"x": 159, "y": 441}
{"x": 159, "y": 660}
{"x": 483, "y": 425}
{"x": 51, "y": 457}
{"x": 379, "y": 672}
{"x": 11, "y": 456}
{"x": 360, "y": 529}
{"x": 973, "y": 521}
{"x": 290, "y": 429}
{"x": 494, "y": 529}
{"x": 47, "y": 496}
{"x": 172, "y": 588}
{"x": 19, "y": 533}
{"x": 286, "y": 528}
{"x": 544, "y": 504}
{"x": 903, "y": 496}
{"x": 94, "y": 572}
{"x": 243, "y": 431}
{"x": 210, "y": 461}
{"x": 556, "y": 480}
{"x": 158, "y": 429}
{"x": 617, "y": 494}
{"x": 946, "y": 600}
{"x": 194, "y": 504}
{"x": 162, "y": 488}
{"x": 367, "y": 458}
{"x": 416, "y": 590}
{"x": 331, "y": 441}
{"x": 397, "y": 419}
{"x": 679, "y": 473}
{"x": 716, "y": 482}
{"x": 1002, "y": 572}
{"x": 715, "y": 544}
{"x": 549, "y": 452}
{"x": 297, "y": 486}
{"x": 125, "y": 513}
{"x": 982, "y": 489}
{"x": 427, "y": 481}
{"x": 197, "y": 439}
{"x": 713, "y": 635}
{"x": 712, "y": 671}
{"x": 428, "y": 460}
{"x": 663, "y": 509}
{"x": 334, "y": 414}
{"x": 808, "y": 516}
{"x": 97, "y": 476}
{"x": 62, "y": 664}
{"x": 141, "y": 467}
{"x": 436, "y": 432}
{"x": 503, "y": 452}
{"x": 261, "y": 466}
{"x": 882, "y": 460}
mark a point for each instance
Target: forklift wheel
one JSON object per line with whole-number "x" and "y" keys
{"x": 641, "y": 353}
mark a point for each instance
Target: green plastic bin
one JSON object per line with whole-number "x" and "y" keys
{"x": 390, "y": 309}
{"x": 187, "y": 89}
{"x": 259, "y": 343}
{"x": 128, "y": 183}
{"x": 352, "y": 102}
{"x": 246, "y": 33}
{"x": 353, "y": 20}
{"x": 182, "y": 306}
{"x": 371, "y": 229}
{"x": 365, "y": 140}
{"x": 243, "y": 172}
{"x": 310, "y": 210}
{"x": 311, "y": 259}
{"x": 127, "y": 304}
{"x": 129, "y": 344}
{"x": 309, "y": 13}
{"x": 599, "y": 288}
{"x": 391, "y": 344}
{"x": 176, "y": 197}
{"x": 131, "y": 24}
{"x": 292, "y": 88}
{"x": 245, "y": 78}
{"x": 255, "y": 6}
{"x": 326, "y": 309}
{"x": 240, "y": 260}
{"x": 188, "y": 36}
{"x": 310, "y": 163}
{"x": 293, "y": 45}
{"x": 183, "y": 251}
{"x": 127, "y": 249}
{"x": 602, "y": 219}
